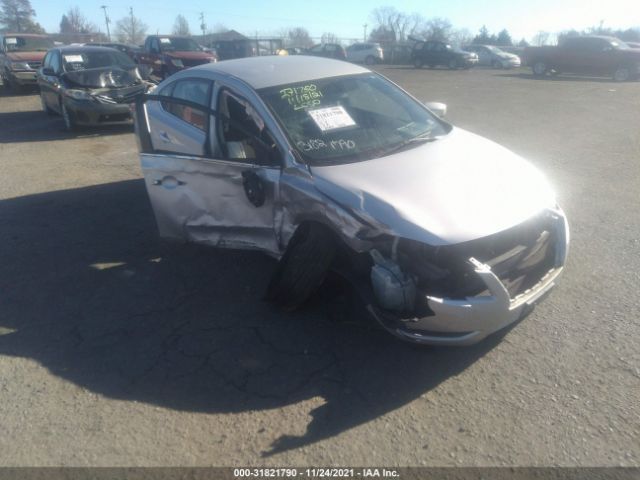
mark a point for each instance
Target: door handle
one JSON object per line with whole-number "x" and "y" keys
{"x": 168, "y": 182}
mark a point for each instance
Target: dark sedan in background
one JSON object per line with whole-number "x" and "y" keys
{"x": 131, "y": 51}
{"x": 433, "y": 53}
{"x": 89, "y": 85}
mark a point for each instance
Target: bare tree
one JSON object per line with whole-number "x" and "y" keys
{"x": 131, "y": 29}
{"x": 328, "y": 37}
{"x": 394, "y": 25}
{"x": 462, "y": 36}
{"x": 299, "y": 37}
{"x": 437, "y": 29}
{"x": 540, "y": 38}
{"x": 181, "y": 26}
{"x": 17, "y": 16}
{"x": 75, "y": 22}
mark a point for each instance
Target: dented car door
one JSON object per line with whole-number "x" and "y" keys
{"x": 206, "y": 194}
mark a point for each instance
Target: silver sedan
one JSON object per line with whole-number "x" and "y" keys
{"x": 325, "y": 165}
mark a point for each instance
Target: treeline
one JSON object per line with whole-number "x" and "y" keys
{"x": 389, "y": 26}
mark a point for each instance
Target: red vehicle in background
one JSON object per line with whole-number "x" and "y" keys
{"x": 585, "y": 55}
{"x": 168, "y": 54}
{"x": 21, "y": 56}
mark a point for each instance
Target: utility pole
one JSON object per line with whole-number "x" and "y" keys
{"x": 203, "y": 26}
{"x": 106, "y": 20}
{"x": 365, "y": 32}
{"x": 133, "y": 26}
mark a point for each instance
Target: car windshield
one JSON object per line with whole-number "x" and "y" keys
{"x": 350, "y": 118}
{"x": 178, "y": 44}
{"x": 86, "y": 60}
{"x": 27, "y": 44}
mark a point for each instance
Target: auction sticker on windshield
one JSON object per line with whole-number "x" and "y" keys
{"x": 73, "y": 58}
{"x": 331, "y": 118}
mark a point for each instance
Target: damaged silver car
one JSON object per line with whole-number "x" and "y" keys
{"x": 326, "y": 165}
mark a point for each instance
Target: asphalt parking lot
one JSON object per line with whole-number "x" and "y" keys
{"x": 119, "y": 349}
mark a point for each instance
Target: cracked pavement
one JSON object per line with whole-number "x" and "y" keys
{"x": 119, "y": 349}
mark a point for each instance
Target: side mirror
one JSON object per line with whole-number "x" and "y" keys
{"x": 439, "y": 109}
{"x": 48, "y": 71}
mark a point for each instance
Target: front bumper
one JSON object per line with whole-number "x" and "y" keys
{"x": 468, "y": 321}
{"x": 510, "y": 63}
{"x": 92, "y": 113}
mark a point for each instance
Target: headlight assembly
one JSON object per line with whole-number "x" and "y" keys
{"x": 19, "y": 66}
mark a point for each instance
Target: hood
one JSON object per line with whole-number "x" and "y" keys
{"x": 26, "y": 56}
{"x": 455, "y": 189}
{"x": 190, "y": 55}
{"x": 111, "y": 77}
{"x": 507, "y": 55}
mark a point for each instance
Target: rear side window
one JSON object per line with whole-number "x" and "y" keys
{"x": 193, "y": 90}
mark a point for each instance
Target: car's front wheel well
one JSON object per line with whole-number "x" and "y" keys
{"x": 301, "y": 270}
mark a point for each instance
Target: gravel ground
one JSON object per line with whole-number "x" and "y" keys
{"x": 118, "y": 349}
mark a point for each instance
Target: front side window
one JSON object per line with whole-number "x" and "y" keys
{"x": 350, "y": 118}
{"x": 56, "y": 65}
{"x": 242, "y": 132}
{"x": 193, "y": 90}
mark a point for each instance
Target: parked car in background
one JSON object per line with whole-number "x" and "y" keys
{"x": 585, "y": 55}
{"x": 491, "y": 56}
{"x": 433, "y": 53}
{"x": 368, "y": 53}
{"x": 324, "y": 165}
{"x": 131, "y": 50}
{"x": 397, "y": 54}
{"x": 247, "y": 47}
{"x": 292, "y": 51}
{"x": 328, "y": 50}
{"x": 21, "y": 56}
{"x": 168, "y": 54}
{"x": 89, "y": 85}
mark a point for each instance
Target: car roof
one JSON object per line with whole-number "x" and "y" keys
{"x": 272, "y": 70}
{"x": 82, "y": 48}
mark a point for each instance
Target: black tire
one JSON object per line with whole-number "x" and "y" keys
{"x": 622, "y": 73}
{"x": 67, "y": 117}
{"x": 418, "y": 63}
{"x": 539, "y": 68}
{"x": 496, "y": 64}
{"x": 453, "y": 64}
{"x": 45, "y": 107}
{"x": 11, "y": 87}
{"x": 370, "y": 60}
{"x": 303, "y": 267}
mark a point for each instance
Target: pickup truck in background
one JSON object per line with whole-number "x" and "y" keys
{"x": 168, "y": 54}
{"x": 587, "y": 55}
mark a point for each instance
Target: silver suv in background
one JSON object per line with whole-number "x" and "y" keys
{"x": 368, "y": 53}
{"x": 491, "y": 56}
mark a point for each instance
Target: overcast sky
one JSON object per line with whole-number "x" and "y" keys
{"x": 345, "y": 18}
